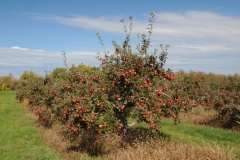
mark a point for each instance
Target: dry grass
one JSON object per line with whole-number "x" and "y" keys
{"x": 162, "y": 150}
{"x": 135, "y": 147}
{"x": 206, "y": 118}
{"x": 196, "y": 118}
{"x": 25, "y": 102}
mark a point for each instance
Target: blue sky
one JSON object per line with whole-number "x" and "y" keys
{"x": 203, "y": 35}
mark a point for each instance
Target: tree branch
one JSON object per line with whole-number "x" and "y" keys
{"x": 135, "y": 123}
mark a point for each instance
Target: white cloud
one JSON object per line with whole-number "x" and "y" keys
{"x": 196, "y": 26}
{"x": 18, "y": 60}
{"x": 104, "y": 23}
{"x": 25, "y": 57}
{"x": 19, "y": 48}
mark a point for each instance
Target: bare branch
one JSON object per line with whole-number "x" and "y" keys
{"x": 135, "y": 123}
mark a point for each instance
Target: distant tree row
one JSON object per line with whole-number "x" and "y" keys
{"x": 7, "y": 83}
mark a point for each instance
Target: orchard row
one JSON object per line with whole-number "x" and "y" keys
{"x": 126, "y": 89}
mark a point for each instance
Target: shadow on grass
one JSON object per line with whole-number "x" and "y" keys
{"x": 219, "y": 122}
{"x": 142, "y": 134}
{"x": 95, "y": 145}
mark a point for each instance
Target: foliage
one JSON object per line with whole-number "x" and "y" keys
{"x": 28, "y": 75}
{"x": 7, "y": 83}
{"x": 137, "y": 83}
{"x": 57, "y": 73}
{"x": 218, "y": 92}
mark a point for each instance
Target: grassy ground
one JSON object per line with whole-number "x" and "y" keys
{"x": 200, "y": 135}
{"x": 19, "y": 138}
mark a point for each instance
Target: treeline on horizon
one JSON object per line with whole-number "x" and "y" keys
{"x": 9, "y": 82}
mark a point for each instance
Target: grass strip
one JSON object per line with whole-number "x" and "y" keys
{"x": 19, "y": 138}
